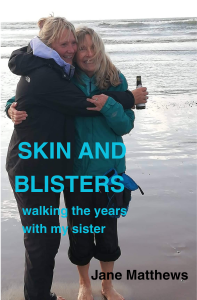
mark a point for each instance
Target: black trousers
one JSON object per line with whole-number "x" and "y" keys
{"x": 84, "y": 246}
{"x": 41, "y": 248}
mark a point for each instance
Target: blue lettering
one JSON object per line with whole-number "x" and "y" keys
{"x": 98, "y": 184}
{"x": 114, "y": 182}
{"x": 24, "y": 150}
{"x": 18, "y": 183}
{"x": 33, "y": 188}
{"x": 51, "y": 150}
{"x": 27, "y": 229}
{"x": 61, "y": 185}
{"x": 72, "y": 178}
{"x": 60, "y": 147}
{"x": 83, "y": 153}
{"x": 104, "y": 152}
{"x": 75, "y": 229}
{"x": 114, "y": 156}
{"x": 46, "y": 183}
{"x": 39, "y": 150}
{"x": 26, "y": 211}
{"x": 82, "y": 184}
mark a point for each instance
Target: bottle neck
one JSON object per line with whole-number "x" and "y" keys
{"x": 138, "y": 81}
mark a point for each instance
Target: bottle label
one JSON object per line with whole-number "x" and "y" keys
{"x": 140, "y": 105}
{"x": 139, "y": 85}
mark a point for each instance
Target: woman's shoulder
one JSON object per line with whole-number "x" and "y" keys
{"x": 50, "y": 72}
{"x": 123, "y": 86}
{"x": 123, "y": 80}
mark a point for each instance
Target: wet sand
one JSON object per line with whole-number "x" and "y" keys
{"x": 159, "y": 232}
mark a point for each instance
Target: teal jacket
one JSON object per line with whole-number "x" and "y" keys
{"x": 114, "y": 122}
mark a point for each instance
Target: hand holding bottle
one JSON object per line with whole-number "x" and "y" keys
{"x": 140, "y": 95}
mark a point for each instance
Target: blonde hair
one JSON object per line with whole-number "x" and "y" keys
{"x": 51, "y": 29}
{"x": 106, "y": 73}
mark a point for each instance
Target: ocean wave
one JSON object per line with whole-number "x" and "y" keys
{"x": 127, "y": 23}
{"x": 103, "y": 24}
{"x": 147, "y": 23}
{"x": 122, "y": 24}
{"x": 175, "y": 92}
{"x": 111, "y": 42}
{"x": 22, "y": 43}
{"x": 19, "y": 25}
{"x": 192, "y": 33}
{"x": 15, "y": 43}
{"x": 186, "y": 22}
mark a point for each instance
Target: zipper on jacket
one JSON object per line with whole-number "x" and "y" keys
{"x": 69, "y": 73}
{"x": 90, "y": 87}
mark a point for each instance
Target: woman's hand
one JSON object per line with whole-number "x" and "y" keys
{"x": 140, "y": 95}
{"x": 98, "y": 100}
{"x": 16, "y": 116}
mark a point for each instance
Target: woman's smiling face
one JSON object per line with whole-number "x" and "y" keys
{"x": 85, "y": 53}
{"x": 66, "y": 46}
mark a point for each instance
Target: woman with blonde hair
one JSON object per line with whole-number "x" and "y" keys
{"x": 45, "y": 91}
{"x": 96, "y": 73}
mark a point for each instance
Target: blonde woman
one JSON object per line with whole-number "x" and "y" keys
{"x": 96, "y": 73}
{"x": 51, "y": 100}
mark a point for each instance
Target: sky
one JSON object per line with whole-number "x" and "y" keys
{"x": 24, "y": 10}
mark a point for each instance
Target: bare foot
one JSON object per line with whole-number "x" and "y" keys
{"x": 60, "y": 298}
{"x": 110, "y": 294}
{"x": 85, "y": 293}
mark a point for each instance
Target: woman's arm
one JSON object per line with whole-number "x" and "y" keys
{"x": 121, "y": 94}
{"x": 124, "y": 97}
{"x": 43, "y": 83}
{"x": 19, "y": 116}
{"x": 65, "y": 98}
{"x": 119, "y": 120}
{"x": 23, "y": 62}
